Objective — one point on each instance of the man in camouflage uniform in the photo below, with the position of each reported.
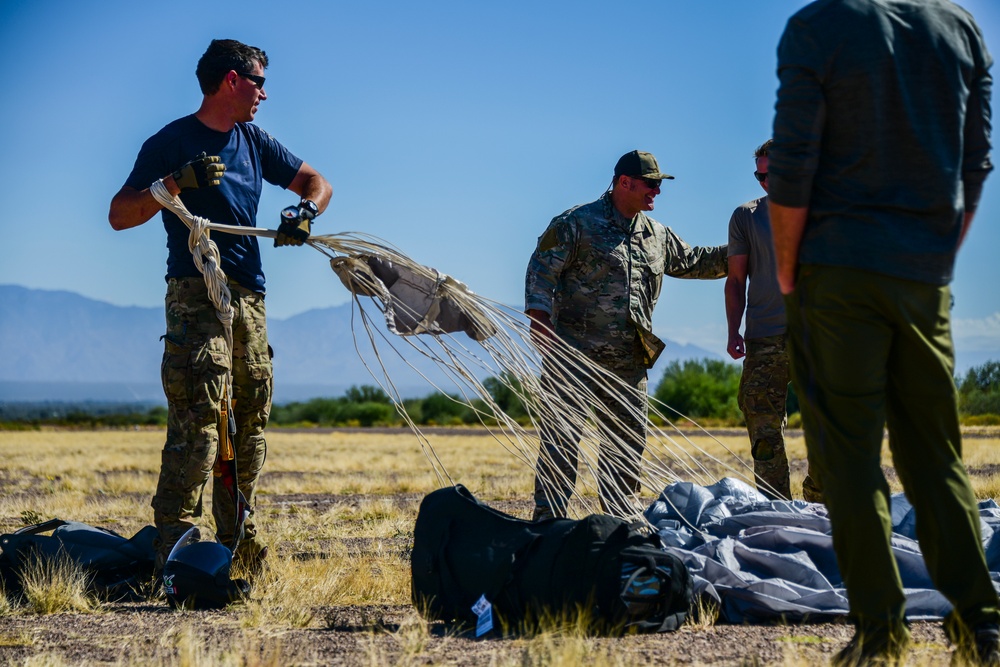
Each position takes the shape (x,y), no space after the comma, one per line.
(764,384)
(593,282)
(216,161)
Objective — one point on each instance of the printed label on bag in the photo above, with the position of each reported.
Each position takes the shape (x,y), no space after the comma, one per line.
(484,613)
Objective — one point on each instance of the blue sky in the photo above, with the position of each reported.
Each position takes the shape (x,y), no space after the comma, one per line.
(454,130)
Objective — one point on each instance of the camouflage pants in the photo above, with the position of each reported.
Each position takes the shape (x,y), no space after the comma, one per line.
(762,395)
(619,452)
(194,367)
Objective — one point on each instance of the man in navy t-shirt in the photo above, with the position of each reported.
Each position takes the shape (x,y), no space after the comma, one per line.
(216,160)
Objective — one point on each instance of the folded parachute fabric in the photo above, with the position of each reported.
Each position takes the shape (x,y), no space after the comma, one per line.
(763,561)
(415,302)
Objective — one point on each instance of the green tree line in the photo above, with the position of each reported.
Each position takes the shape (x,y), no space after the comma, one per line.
(703,390)
(706,389)
(979,394)
(370,406)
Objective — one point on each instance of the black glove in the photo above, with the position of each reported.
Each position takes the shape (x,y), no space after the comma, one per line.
(296,222)
(202,172)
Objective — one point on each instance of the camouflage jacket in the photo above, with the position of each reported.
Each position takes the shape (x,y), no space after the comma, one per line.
(599,275)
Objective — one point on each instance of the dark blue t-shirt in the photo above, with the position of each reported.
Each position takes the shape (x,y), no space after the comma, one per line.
(251,156)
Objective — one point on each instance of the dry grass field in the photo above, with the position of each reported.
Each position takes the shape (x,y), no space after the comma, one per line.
(338,509)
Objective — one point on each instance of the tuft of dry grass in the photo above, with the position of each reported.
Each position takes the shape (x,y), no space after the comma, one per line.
(704,614)
(54,585)
(291,590)
(562,643)
(986,487)
(411,645)
(559,650)
(6,607)
(20,638)
(184,646)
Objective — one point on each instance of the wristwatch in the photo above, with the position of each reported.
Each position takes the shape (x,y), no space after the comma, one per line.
(311,205)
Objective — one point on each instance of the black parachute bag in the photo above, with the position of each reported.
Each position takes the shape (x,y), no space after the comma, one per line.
(612,575)
(119,569)
(463,550)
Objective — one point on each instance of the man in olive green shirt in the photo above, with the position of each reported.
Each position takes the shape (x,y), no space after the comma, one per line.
(881,147)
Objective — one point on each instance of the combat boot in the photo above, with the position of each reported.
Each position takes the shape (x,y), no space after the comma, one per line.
(875,646)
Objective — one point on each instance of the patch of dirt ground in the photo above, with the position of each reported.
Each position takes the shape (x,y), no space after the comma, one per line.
(132,633)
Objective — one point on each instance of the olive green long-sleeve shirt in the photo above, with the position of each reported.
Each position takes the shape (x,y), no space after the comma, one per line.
(882,130)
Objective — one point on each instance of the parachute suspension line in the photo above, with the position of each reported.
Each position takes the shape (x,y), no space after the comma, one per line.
(460,375)
(389,387)
(573,396)
(509,357)
(207,259)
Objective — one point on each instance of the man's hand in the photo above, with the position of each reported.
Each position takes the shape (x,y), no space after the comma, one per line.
(296,224)
(737,347)
(204,171)
(736,303)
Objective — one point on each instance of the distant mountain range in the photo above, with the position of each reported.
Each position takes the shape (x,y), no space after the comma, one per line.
(61,346)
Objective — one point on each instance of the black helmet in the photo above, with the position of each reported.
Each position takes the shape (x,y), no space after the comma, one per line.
(196,575)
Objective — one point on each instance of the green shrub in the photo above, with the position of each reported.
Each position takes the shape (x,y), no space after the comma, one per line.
(981,420)
(366,394)
(369,413)
(441,409)
(701,388)
(506,392)
(979,390)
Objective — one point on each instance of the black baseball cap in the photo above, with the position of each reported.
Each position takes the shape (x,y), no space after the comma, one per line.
(638,164)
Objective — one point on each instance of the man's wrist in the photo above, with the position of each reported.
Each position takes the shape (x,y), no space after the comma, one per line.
(171,185)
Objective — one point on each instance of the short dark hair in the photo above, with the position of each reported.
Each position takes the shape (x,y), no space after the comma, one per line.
(763,149)
(223,56)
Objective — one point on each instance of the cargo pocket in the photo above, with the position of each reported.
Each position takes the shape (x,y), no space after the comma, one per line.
(256,351)
(762,450)
(656,267)
(259,366)
(210,362)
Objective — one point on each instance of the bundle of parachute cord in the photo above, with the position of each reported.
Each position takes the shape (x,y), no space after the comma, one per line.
(477,343)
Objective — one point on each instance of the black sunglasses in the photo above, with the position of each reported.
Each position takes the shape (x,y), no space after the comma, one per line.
(651,183)
(761,177)
(257,80)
